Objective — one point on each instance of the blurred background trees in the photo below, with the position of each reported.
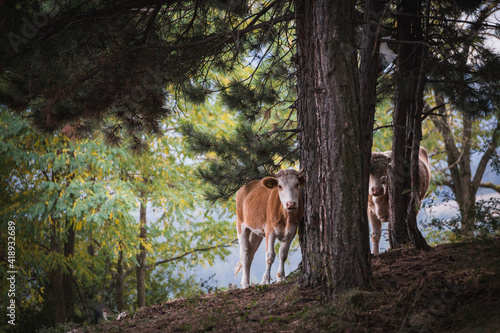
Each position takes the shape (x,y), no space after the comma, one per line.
(97,224)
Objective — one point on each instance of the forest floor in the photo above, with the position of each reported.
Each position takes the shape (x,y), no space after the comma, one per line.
(452,288)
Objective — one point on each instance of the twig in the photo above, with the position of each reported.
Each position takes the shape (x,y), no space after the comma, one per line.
(430,112)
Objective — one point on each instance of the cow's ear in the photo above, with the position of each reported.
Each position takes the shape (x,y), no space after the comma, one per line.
(270,182)
(302,181)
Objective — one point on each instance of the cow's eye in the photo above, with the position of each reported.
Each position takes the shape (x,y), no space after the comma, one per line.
(280,187)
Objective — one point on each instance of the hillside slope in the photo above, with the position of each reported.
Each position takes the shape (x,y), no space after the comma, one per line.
(453,288)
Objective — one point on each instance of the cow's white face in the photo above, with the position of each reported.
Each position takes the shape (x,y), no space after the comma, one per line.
(378,174)
(378,184)
(288,184)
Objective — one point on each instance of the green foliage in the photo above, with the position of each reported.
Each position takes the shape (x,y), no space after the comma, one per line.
(87,61)
(382,135)
(263,124)
(53,185)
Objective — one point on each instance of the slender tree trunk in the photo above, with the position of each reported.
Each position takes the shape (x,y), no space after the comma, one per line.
(69,252)
(407,130)
(56,278)
(415,137)
(459,164)
(120,285)
(141,257)
(468,195)
(368,74)
(336,253)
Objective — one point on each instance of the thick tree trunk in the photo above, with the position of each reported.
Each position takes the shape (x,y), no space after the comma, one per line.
(407,130)
(336,253)
(467,207)
(141,257)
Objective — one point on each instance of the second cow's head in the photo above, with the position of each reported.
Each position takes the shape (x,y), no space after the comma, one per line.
(288,183)
(378,173)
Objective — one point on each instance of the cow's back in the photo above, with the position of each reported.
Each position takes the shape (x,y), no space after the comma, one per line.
(251,203)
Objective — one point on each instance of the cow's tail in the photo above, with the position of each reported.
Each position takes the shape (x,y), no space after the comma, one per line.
(237,268)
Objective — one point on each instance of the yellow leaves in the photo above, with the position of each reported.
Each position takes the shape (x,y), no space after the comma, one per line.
(79,225)
(148,247)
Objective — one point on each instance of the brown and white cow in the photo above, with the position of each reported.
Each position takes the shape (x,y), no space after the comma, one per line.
(270,208)
(378,198)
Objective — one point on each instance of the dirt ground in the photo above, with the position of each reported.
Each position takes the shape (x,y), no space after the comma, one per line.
(453,288)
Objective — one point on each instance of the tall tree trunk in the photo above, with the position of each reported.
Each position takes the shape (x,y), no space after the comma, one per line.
(56,278)
(69,251)
(368,74)
(336,252)
(120,285)
(141,257)
(414,138)
(407,129)
(468,195)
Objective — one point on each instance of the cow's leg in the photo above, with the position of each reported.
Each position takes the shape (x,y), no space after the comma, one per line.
(270,255)
(284,248)
(244,240)
(376,232)
(254,243)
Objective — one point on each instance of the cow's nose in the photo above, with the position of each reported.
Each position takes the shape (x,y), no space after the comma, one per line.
(377,191)
(291,205)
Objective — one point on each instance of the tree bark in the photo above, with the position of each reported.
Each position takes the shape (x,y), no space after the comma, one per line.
(415,137)
(120,283)
(336,253)
(407,130)
(368,75)
(56,278)
(69,252)
(141,257)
